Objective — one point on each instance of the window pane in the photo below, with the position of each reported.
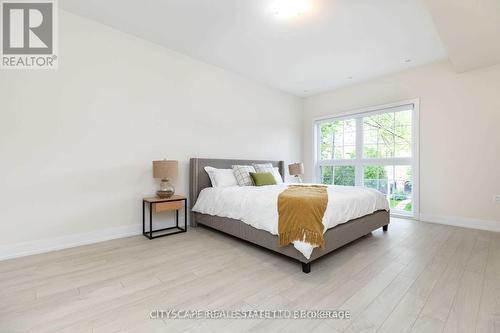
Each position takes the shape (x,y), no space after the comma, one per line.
(344,175)
(375,177)
(326,173)
(339,152)
(402,140)
(385,144)
(403,118)
(338,175)
(349,152)
(377,138)
(370,151)
(387,135)
(394,181)
(350,125)
(402,149)
(338,139)
(350,139)
(401,188)
(326,141)
(370,136)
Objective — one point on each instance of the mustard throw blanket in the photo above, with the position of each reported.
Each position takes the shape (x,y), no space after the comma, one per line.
(301,210)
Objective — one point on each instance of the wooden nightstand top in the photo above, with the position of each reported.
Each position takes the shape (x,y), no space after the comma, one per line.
(175,197)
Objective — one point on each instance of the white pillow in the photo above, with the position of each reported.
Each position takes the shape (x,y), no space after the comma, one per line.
(277,175)
(268,167)
(221,177)
(242,174)
(211,175)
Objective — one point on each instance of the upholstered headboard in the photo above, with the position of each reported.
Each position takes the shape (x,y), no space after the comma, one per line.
(198,177)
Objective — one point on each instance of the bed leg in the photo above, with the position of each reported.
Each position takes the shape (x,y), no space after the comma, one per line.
(385,227)
(306,267)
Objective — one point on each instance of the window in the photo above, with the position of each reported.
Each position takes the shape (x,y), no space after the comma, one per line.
(375,149)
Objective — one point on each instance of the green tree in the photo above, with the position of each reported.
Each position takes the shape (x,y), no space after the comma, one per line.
(344,175)
(339,175)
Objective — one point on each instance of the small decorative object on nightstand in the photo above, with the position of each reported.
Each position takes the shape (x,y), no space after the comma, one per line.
(158,205)
(165,170)
(296,169)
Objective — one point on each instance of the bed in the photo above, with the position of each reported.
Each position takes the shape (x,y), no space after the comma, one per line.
(335,237)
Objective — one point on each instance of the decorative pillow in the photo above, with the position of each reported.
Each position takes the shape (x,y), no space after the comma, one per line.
(268,167)
(221,177)
(263,178)
(242,174)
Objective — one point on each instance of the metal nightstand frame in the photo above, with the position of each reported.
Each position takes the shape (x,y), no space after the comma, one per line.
(149,234)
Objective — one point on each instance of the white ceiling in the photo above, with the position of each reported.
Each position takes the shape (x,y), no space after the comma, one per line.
(470,30)
(335,43)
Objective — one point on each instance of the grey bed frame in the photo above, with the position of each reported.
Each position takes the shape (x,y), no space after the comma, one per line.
(334,237)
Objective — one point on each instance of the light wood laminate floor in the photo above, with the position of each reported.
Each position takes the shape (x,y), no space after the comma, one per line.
(417,277)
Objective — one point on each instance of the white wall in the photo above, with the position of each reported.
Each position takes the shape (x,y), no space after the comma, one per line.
(459,136)
(76,144)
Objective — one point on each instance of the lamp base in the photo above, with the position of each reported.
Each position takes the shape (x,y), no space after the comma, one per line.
(164,194)
(166,189)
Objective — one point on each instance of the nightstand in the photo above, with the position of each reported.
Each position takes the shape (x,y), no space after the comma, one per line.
(158,205)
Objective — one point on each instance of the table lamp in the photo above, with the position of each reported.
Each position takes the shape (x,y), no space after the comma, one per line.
(165,170)
(296,169)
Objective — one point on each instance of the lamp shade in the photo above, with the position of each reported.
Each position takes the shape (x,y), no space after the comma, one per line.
(296,169)
(165,169)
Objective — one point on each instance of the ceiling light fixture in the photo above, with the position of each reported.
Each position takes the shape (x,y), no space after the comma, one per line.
(289,8)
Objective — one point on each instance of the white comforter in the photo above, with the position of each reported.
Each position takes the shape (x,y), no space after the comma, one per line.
(258,206)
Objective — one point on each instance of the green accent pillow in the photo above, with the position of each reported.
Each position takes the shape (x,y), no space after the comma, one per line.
(263,178)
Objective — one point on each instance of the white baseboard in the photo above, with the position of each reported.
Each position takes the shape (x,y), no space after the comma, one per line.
(463,222)
(47,245)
